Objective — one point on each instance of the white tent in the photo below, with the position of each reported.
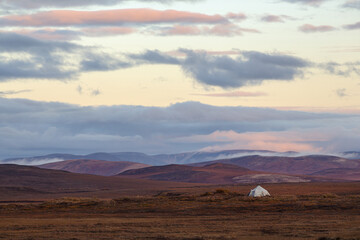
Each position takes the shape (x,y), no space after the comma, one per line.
(258,192)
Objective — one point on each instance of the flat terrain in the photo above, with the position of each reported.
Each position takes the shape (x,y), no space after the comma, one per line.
(294,211)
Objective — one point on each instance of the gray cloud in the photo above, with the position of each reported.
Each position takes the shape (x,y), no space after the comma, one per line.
(352,4)
(249,68)
(36,59)
(352,26)
(33,58)
(307,2)
(95,61)
(341,92)
(95,92)
(23,57)
(31,127)
(154,57)
(344,69)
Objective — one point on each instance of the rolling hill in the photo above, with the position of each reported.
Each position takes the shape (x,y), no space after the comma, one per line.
(352,174)
(216,173)
(96,167)
(27,182)
(304,165)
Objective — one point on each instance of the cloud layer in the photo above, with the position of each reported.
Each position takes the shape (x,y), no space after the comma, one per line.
(23,57)
(107,17)
(30,128)
(308,28)
(249,68)
(307,2)
(24,4)
(352,4)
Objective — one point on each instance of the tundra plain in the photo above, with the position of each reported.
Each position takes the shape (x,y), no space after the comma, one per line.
(294,211)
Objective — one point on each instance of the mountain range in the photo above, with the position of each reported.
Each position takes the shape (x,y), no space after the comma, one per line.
(157,160)
(224,167)
(303,165)
(96,167)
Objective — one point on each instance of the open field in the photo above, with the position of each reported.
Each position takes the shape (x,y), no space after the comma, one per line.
(295,211)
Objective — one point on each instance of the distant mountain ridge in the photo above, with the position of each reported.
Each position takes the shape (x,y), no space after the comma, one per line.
(304,165)
(159,159)
(96,167)
(267,163)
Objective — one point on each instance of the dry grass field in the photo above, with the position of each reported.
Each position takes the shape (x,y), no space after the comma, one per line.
(295,211)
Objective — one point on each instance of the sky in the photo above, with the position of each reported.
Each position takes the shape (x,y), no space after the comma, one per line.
(168,76)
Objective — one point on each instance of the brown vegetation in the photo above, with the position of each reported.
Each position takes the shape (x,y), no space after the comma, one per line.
(216,173)
(201,213)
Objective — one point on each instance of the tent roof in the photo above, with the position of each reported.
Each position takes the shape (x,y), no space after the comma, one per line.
(259,192)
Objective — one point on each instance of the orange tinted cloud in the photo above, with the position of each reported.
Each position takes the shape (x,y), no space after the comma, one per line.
(217,30)
(236,16)
(275,141)
(272,18)
(308,28)
(108,31)
(108,17)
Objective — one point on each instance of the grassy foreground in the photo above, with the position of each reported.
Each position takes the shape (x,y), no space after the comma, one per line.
(216,214)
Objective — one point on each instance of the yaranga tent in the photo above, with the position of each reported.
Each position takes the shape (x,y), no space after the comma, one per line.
(258,192)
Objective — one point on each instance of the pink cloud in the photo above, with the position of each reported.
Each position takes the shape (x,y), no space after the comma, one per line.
(234,94)
(272,18)
(108,17)
(275,141)
(183,30)
(107,31)
(314,3)
(236,16)
(217,30)
(308,28)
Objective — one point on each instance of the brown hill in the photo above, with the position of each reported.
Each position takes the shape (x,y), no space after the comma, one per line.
(352,174)
(216,173)
(26,182)
(96,167)
(288,165)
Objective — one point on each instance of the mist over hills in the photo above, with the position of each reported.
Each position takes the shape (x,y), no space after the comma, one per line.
(95,167)
(227,166)
(303,165)
(156,160)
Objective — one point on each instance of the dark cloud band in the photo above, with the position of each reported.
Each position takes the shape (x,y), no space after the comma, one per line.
(32,127)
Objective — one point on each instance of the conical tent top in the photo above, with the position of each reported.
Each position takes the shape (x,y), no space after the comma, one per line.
(258,192)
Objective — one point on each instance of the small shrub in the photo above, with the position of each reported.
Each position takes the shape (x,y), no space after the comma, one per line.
(207,194)
(222,191)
